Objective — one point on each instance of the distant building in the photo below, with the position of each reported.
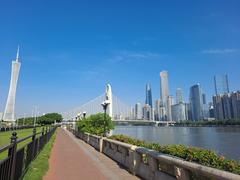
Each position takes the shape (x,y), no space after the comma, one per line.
(147,112)
(179,96)
(148,95)
(138,111)
(218,107)
(196,102)
(170,102)
(227,106)
(235,97)
(221,84)
(205,107)
(132,116)
(211,110)
(164,90)
(159,111)
(179,112)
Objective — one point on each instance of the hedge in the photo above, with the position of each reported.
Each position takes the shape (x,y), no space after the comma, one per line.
(193,154)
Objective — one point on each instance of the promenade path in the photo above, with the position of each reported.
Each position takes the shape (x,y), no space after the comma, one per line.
(73,159)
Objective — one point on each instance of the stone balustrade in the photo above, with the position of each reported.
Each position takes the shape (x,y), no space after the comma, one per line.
(150,164)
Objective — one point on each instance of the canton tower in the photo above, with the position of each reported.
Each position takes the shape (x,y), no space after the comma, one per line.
(10,105)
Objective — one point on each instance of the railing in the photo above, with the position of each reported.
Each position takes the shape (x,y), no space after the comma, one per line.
(17,161)
(150,164)
(3,129)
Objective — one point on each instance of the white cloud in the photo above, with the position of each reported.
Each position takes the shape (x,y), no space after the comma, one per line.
(127,56)
(220,51)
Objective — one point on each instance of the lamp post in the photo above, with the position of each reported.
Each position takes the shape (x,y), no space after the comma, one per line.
(84,114)
(105,105)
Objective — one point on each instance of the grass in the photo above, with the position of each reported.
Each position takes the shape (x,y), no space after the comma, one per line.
(5,138)
(39,166)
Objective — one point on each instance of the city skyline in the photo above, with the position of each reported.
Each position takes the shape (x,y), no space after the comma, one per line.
(69,57)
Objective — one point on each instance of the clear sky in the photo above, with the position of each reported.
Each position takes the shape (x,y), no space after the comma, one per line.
(70,49)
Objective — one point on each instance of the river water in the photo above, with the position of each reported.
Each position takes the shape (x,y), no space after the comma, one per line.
(223,140)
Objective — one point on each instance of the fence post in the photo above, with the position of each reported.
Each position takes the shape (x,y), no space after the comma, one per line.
(12,155)
(42,131)
(33,141)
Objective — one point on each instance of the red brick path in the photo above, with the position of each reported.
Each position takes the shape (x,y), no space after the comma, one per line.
(69,162)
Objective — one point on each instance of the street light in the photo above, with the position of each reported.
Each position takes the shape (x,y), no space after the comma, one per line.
(84,114)
(105,105)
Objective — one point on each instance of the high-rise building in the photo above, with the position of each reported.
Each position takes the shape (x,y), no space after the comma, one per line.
(179,96)
(170,102)
(148,95)
(164,94)
(147,112)
(138,111)
(196,103)
(227,106)
(205,107)
(179,112)
(9,113)
(221,84)
(235,97)
(218,107)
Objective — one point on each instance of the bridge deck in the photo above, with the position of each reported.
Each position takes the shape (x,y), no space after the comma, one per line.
(73,159)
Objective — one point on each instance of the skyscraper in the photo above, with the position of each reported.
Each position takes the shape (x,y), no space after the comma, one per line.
(148,95)
(179,112)
(10,105)
(221,84)
(138,111)
(179,96)
(196,102)
(164,92)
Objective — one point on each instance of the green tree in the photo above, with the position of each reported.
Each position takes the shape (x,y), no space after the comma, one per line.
(96,124)
(50,118)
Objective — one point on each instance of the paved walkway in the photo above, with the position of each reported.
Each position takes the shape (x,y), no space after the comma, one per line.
(73,159)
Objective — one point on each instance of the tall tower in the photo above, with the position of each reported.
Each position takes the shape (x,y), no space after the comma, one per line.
(10,105)
(221,84)
(196,102)
(164,93)
(148,95)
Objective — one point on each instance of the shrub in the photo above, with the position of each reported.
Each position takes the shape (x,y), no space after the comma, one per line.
(194,154)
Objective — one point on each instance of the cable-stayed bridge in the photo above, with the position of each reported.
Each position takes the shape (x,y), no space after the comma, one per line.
(117,109)
(120,112)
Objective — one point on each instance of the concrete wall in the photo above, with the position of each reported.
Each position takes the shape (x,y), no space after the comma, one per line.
(150,164)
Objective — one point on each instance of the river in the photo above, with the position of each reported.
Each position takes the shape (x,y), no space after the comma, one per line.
(223,140)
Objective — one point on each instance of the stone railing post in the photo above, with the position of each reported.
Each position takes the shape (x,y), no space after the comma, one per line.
(181,174)
(101,144)
(153,166)
(135,160)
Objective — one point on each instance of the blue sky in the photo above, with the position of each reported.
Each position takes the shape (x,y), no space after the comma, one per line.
(70,49)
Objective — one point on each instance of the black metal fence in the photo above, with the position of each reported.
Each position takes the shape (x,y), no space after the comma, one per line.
(17,161)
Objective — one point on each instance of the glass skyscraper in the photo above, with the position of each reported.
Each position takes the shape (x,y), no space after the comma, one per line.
(148,95)
(196,102)
(221,84)
(179,96)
